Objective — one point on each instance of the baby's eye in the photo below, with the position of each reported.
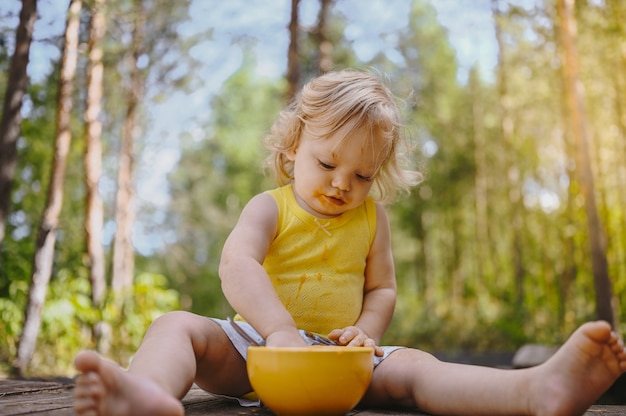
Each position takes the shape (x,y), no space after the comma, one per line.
(325,165)
(364,178)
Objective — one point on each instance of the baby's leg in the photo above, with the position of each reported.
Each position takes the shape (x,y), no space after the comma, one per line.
(567,384)
(176,347)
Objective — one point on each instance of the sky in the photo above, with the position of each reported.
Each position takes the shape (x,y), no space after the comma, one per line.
(371,29)
(468,23)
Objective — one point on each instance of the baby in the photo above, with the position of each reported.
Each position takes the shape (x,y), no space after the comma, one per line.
(313,257)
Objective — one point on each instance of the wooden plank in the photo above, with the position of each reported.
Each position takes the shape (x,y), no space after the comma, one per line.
(22,397)
(28,398)
(8,387)
(198,402)
(606,410)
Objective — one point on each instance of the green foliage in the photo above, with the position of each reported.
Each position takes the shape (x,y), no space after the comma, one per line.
(69,313)
(151,298)
(445,327)
(441,257)
(459,286)
(11,318)
(30,183)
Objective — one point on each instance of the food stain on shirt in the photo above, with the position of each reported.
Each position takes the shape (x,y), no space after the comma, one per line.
(302,281)
(324,258)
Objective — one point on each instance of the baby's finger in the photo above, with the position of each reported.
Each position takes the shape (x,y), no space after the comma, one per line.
(356,341)
(371,343)
(348,337)
(335,334)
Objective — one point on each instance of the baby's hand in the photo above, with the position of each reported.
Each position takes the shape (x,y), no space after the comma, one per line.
(285,338)
(354,337)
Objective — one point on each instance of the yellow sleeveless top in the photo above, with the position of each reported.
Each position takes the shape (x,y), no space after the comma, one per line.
(317,266)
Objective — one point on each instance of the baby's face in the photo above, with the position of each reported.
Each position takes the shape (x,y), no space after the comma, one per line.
(329,178)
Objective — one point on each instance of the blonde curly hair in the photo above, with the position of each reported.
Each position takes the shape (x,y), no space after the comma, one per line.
(347,100)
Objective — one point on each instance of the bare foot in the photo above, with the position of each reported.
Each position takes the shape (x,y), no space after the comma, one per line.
(580,371)
(103,388)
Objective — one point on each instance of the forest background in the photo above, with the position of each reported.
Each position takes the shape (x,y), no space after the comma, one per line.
(137,140)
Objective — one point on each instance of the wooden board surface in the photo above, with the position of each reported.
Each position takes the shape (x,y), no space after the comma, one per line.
(32,397)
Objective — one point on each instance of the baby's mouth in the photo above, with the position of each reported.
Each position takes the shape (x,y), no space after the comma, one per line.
(335,200)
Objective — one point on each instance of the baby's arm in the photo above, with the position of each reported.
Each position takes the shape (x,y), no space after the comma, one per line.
(379,297)
(245,283)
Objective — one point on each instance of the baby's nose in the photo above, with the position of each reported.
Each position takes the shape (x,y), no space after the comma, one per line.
(341,182)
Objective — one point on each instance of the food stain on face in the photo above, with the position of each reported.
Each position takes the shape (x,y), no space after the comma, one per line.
(319,195)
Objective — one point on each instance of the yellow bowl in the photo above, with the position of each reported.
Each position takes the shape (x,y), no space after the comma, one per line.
(315,381)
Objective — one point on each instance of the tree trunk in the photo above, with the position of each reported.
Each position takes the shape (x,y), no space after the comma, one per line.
(44,250)
(93,171)
(123,252)
(483,258)
(513,174)
(10,125)
(574,96)
(324,45)
(293,67)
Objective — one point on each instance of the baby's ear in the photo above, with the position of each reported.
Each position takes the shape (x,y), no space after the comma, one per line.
(291,154)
